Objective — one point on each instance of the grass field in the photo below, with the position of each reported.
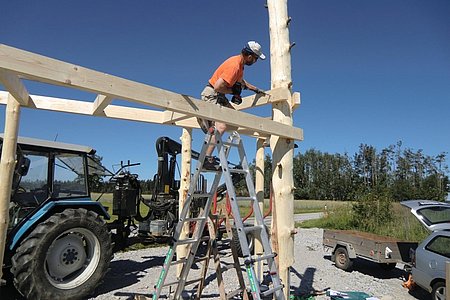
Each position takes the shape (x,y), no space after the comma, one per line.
(300,206)
(404,225)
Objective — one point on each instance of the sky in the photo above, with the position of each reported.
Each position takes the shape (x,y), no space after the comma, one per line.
(373,72)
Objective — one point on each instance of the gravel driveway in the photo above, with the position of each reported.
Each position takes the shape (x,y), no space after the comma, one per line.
(136,272)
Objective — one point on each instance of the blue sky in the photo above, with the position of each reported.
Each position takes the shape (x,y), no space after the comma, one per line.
(372,72)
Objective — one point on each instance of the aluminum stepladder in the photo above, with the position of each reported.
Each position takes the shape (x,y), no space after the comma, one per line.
(268,257)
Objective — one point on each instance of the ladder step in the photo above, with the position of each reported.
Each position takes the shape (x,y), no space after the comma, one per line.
(191,240)
(253,228)
(194,219)
(201,195)
(245,198)
(234,293)
(272,291)
(230,144)
(186,283)
(186,241)
(183,260)
(252,260)
(238,171)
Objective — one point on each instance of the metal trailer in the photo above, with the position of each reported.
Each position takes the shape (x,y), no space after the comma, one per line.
(346,245)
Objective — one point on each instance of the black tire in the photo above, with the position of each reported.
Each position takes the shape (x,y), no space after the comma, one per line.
(342,260)
(387,266)
(64,257)
(237,245)
(438,292)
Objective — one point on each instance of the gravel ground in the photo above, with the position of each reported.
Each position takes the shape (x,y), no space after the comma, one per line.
(135,273)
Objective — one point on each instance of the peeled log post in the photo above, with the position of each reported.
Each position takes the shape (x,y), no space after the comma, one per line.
(185,181)
(7,164)
(282,149)
(259,189)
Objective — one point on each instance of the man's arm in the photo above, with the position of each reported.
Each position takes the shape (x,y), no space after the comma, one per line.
(221,86)
(251,87)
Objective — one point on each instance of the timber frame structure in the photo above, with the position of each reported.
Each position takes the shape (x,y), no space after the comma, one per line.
(165,107)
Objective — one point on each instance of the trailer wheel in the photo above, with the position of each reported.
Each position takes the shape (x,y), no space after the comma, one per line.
(438,291)
(342,260)
(64,257)
(387,266)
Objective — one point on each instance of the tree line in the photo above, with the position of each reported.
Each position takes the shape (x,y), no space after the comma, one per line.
(400,173)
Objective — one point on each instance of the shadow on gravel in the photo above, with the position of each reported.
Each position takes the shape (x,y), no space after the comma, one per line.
(124,273)
(306,283)
(371,268)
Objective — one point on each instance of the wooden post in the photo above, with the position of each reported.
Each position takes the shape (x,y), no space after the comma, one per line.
(185,181)
(7,164)
(447,280)
(282,148)
(259,189)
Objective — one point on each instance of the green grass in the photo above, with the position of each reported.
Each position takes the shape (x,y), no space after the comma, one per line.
(404,226)
(338,215)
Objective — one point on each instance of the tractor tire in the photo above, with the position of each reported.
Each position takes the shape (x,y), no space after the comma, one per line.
(64,257)
(237,244)
(342,260)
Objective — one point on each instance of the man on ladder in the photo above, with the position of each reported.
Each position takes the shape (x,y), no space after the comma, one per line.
(228,79)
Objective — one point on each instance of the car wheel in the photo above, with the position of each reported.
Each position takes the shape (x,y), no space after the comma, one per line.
(438,292)
(342,260)
(64,257)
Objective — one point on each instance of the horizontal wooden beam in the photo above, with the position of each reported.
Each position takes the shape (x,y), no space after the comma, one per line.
(275,95)
(44,69)
(85,108)
(15,86)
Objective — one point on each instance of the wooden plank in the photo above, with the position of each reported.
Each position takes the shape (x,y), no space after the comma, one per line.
(86,108)
(100,103)
(44,69)
(15,86)
(272,96)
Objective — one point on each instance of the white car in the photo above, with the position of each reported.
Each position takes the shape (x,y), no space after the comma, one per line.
(432,254)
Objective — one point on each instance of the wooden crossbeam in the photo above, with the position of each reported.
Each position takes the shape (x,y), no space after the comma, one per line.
(15,86)
(44,69)
(100,103)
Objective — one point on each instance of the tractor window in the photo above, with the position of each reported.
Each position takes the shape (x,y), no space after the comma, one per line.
(70,176)
(33,188)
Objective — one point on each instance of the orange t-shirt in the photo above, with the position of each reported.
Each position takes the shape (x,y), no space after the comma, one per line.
(231,70)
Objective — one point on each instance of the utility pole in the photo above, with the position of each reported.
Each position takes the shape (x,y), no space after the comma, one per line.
(282,148)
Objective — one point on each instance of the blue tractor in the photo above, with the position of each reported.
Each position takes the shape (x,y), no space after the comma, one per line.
(58,245)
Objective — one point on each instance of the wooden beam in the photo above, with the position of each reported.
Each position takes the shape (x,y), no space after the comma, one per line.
(86,108)
(44,69)
(15,86)
(100,103)
(272,96)
(173,117)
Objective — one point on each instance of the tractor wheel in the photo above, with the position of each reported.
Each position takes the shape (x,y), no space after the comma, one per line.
(64,257)
(237,244)
(342,260)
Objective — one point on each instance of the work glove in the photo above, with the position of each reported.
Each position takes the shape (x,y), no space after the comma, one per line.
(236,89)
(236,99)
